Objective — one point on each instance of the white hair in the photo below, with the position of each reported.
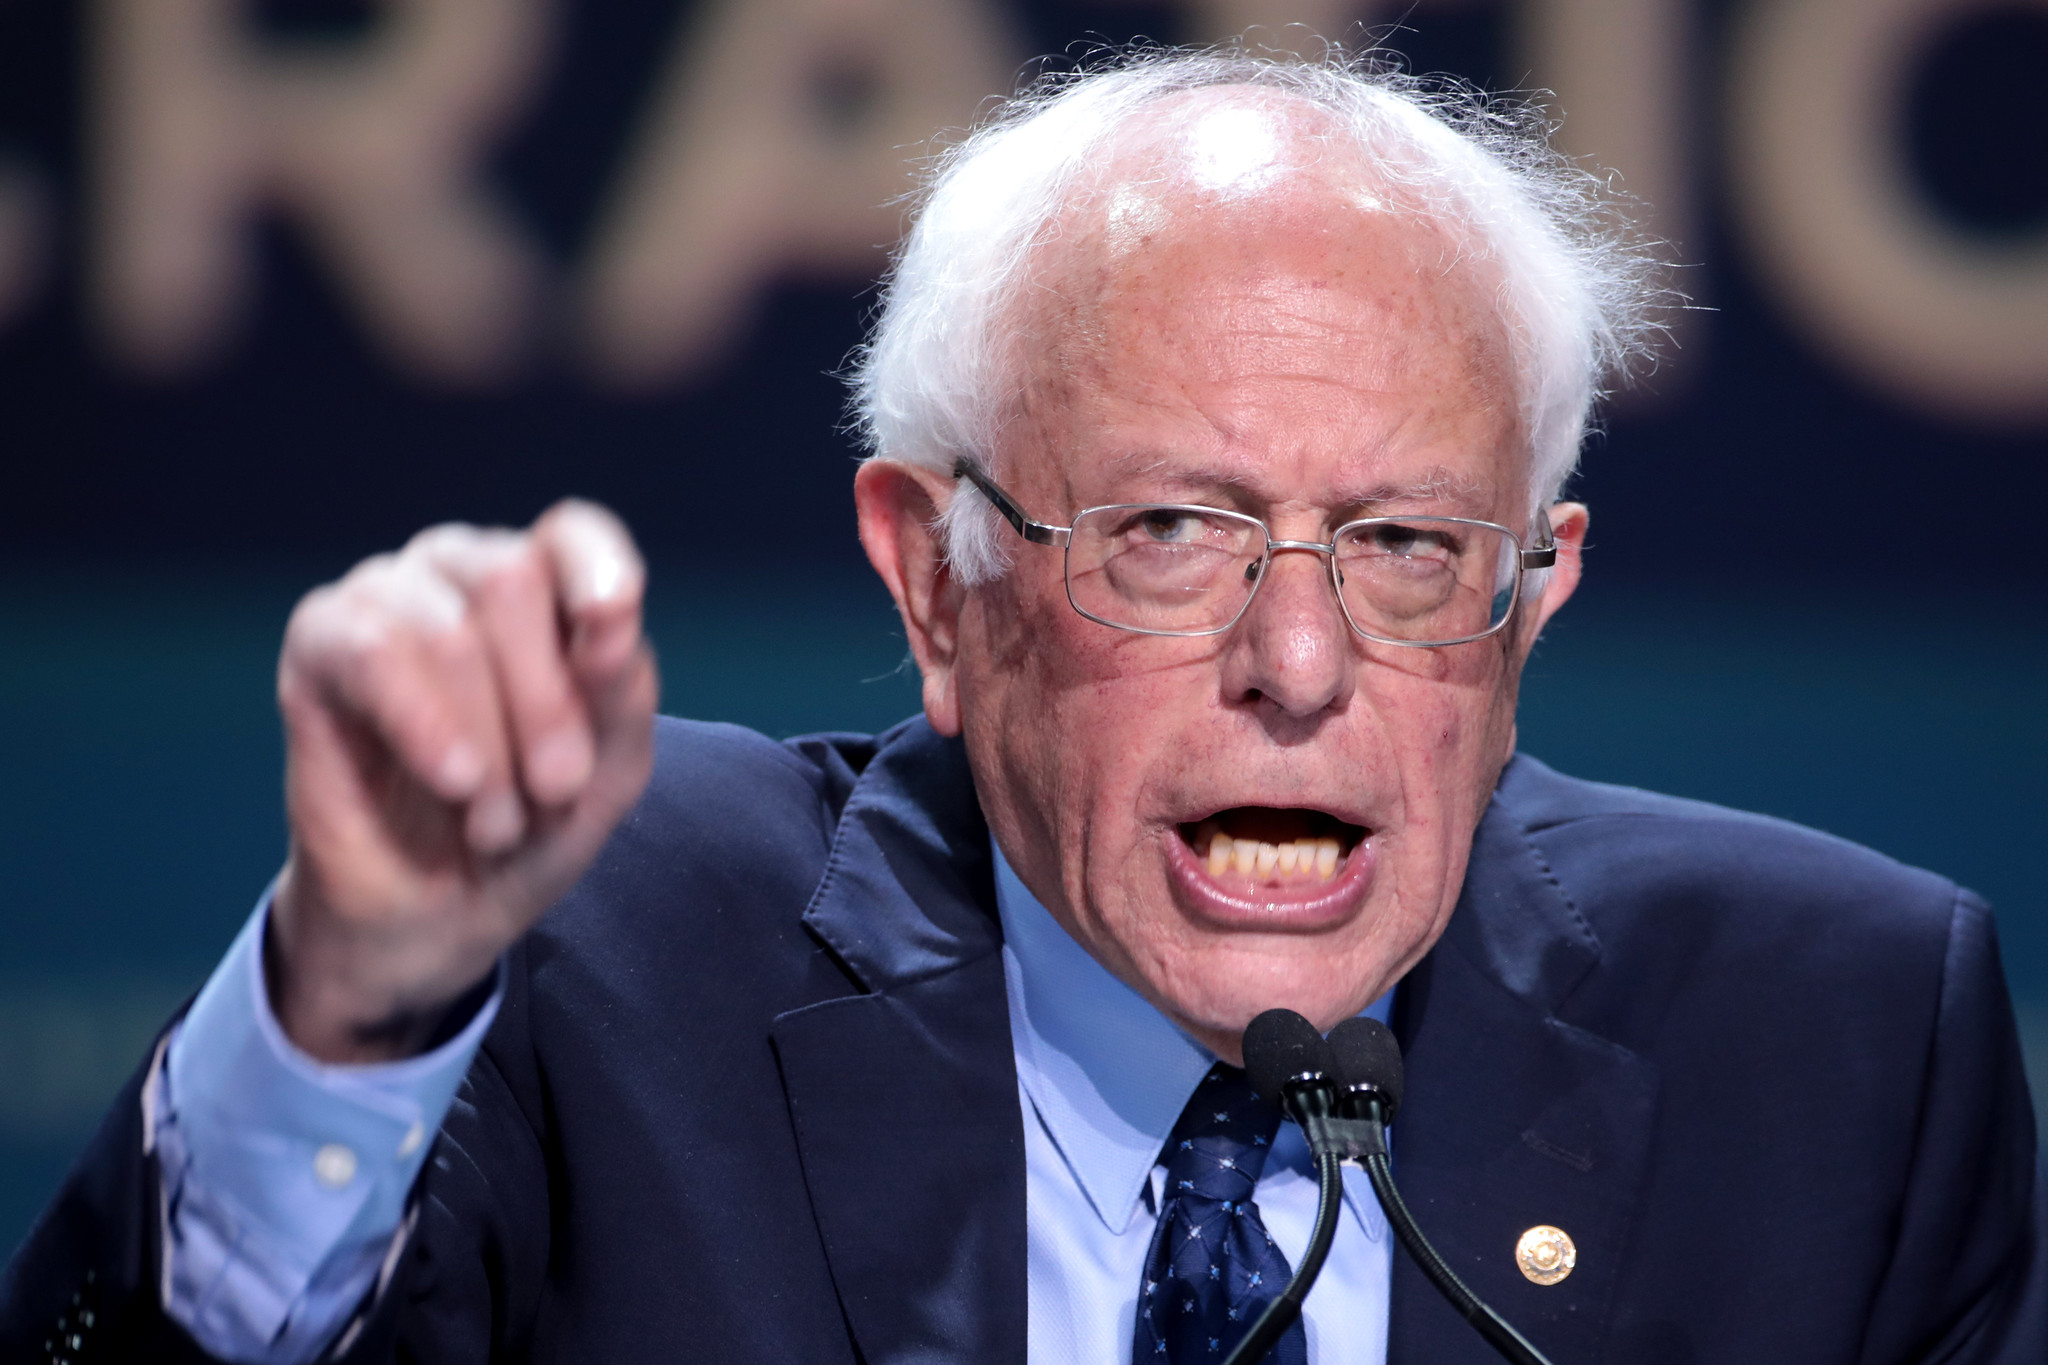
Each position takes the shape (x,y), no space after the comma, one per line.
(1577,292)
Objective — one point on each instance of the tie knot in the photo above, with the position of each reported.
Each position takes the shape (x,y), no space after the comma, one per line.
(1220,1145)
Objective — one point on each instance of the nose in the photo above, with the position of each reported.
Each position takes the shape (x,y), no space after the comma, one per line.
(1292,650)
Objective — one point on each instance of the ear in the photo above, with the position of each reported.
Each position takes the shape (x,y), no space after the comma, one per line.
(899,505)
(1568,528)
(1561,580)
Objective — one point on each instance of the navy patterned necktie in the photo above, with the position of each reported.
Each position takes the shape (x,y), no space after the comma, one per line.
(1213,1268)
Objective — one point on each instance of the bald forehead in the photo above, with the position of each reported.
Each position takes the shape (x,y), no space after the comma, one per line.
(1254,200)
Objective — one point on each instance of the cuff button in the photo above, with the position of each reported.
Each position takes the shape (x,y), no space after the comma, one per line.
(334,1165)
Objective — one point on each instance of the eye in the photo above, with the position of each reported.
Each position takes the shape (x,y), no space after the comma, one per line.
(1164,530)
(1408,542)
(1172,525)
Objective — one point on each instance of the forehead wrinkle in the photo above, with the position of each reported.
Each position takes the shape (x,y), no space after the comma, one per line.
(1280,322)
(1177,473)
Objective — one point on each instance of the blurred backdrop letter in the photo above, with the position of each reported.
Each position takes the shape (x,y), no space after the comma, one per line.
(781,142)
(373,144)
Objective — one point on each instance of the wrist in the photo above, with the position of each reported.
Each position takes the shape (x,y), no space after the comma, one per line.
(350,996)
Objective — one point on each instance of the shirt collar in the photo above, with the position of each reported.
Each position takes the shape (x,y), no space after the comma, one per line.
(1107,1073)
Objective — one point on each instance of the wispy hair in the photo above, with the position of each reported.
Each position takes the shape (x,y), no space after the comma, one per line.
(1578,290)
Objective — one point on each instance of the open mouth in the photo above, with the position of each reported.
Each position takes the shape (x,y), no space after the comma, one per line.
(1263,850)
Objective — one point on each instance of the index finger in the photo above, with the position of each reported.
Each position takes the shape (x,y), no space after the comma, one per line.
(601,579)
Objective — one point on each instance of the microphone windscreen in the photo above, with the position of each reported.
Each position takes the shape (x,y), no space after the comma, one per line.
(1363,1052)
(1279,1045)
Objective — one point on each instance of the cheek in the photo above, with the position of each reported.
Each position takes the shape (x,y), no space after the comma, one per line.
(1063,717)
(1450,725)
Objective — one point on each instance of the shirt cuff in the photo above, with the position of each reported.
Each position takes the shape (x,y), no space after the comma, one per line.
(286,1178)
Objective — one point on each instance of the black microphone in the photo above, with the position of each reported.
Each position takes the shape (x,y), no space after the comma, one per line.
(1288,1063)
(1364,1061)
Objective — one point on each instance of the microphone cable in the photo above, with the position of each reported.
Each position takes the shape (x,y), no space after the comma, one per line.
(1343,1091)
(1287,1061)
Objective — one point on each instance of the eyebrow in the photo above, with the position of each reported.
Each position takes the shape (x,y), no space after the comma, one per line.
(1438,485)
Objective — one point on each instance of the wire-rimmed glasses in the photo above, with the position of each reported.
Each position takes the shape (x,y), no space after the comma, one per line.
(1185,569)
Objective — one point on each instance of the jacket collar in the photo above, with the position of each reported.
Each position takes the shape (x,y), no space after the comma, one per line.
(1513,922)
(909,887)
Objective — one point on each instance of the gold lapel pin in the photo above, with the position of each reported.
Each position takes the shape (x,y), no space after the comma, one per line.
(1546,1254)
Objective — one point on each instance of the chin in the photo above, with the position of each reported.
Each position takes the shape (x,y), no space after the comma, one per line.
(1224,981)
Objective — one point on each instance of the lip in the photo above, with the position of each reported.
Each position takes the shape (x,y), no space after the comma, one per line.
(1306,909)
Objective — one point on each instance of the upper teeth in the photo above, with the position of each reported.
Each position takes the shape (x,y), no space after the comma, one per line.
(1255,857)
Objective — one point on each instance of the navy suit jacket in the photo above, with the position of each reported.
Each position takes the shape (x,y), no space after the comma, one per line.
(751,1098)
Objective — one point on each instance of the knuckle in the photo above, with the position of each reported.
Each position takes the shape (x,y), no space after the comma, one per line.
(464,554)
(311,618)
(296,693)
(373,669)
(376,569)
(412,597)
(576,510)
(334,629)
(443,538)
(513,573)
(454,650)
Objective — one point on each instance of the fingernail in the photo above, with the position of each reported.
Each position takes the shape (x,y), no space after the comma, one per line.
(559,764)
(462,767)
(604,578)
(496,821)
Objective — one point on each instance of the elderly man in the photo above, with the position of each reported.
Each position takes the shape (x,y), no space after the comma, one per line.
(1219,411)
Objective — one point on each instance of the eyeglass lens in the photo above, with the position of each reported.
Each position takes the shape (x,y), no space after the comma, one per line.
(1191,570)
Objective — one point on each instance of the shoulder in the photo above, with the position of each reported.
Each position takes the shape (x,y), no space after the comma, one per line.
(1688,896)
(714,865)
(1847,1004)
(1622,845)
(713,780)
(729,811)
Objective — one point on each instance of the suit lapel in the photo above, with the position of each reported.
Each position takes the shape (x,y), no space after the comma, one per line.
(904,1096)
(1513,1118)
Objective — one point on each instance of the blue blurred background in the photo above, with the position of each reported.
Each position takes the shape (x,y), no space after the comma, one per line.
(283,280)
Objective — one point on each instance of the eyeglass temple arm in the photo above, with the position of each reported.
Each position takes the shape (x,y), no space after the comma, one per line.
(1544,555)
(1034,531)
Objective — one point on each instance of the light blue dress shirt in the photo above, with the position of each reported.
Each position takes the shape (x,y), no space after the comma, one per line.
(285,1181)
